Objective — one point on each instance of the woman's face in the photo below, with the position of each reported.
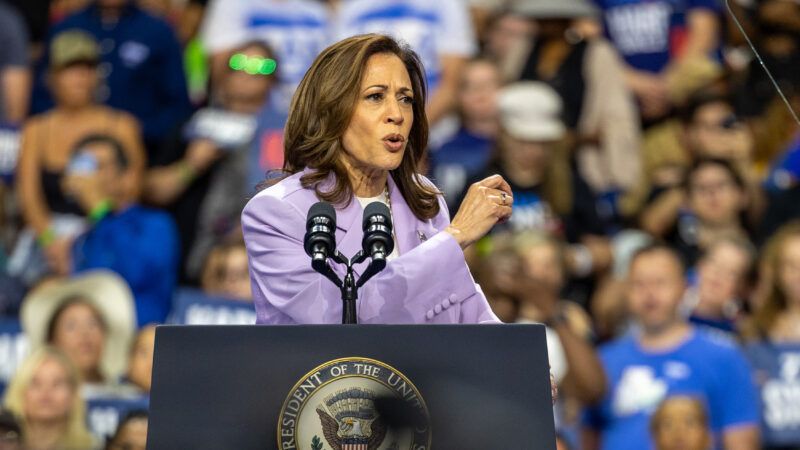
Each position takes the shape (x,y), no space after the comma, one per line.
(478,96)
(528,155)
(542,263)
(74,85)
(789,270)
(714,196)
(49,395)
(720,274)
(235,279)
(140,366)
(80,334)
(245,92)
(377,136)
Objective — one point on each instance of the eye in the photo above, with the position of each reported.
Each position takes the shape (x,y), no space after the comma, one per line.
(408,100)
(377,96)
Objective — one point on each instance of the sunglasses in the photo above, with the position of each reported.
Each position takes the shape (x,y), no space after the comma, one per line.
(252,65)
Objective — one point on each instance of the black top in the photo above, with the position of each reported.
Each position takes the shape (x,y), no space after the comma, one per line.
(533,212)
(568,80)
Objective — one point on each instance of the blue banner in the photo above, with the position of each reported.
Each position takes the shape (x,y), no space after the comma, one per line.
(194,307)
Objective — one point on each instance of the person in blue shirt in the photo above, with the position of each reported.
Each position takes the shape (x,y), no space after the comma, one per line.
(465,155)
(138,243)
(665,356)
(774,345)
(141,65)
(655,36)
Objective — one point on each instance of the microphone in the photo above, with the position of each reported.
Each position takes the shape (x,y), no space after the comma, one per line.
(377,242)
(320,240)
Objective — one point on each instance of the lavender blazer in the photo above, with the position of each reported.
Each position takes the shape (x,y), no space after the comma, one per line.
(428,283)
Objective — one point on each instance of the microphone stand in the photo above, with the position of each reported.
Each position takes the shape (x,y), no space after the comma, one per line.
(349,286)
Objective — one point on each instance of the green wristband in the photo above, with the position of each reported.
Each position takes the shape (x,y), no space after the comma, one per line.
(46,237)
(100,210)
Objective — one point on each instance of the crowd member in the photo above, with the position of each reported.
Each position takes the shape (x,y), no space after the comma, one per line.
(707,127)
(15,77)
(505,32)
(666,356)
(495,268)
(538,284)
(681,423)
(296,30)
(440,32)
(90,318)
(548,195)
(45,395)
(774,345)
(663,43)
(723,278)
(202,174)
(131,433)
(138,243)
(140,361)
(715,206)
(48,141)
(226,273)
(141,65)
(465,155)
(588,74)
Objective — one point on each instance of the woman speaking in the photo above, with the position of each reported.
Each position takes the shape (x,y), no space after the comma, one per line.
(356,134)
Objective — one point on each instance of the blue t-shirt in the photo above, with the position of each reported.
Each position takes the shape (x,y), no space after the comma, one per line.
(648,32)
(707,367)
(777,372)
(141,245)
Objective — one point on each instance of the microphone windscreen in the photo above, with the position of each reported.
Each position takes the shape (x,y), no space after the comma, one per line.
(377,209)
(324,209)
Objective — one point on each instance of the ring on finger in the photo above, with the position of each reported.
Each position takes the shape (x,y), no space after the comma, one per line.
(503,198)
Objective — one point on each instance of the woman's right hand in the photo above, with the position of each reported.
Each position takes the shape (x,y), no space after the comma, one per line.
(487,202)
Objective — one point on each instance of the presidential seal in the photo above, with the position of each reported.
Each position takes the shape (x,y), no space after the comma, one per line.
(333,408)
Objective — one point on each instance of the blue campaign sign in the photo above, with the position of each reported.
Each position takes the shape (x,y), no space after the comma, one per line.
(13,349)
(103,414)
(194,307)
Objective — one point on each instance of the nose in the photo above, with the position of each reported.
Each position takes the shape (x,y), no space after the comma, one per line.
(394,112)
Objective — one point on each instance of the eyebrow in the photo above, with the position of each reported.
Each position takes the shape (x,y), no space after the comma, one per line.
(403,89)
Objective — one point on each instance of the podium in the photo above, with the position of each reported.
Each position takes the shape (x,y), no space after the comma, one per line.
(351,387)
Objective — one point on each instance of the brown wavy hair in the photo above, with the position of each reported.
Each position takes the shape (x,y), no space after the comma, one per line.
(322,108)
(772,258)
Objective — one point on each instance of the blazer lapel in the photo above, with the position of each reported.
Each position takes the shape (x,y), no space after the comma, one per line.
(406,226)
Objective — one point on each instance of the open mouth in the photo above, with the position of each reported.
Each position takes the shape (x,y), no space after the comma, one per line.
(393,142)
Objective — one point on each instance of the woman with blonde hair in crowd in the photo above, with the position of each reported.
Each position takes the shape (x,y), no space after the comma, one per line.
(774,339)
(45,395)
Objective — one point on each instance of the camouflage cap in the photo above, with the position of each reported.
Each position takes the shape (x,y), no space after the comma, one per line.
(73,46)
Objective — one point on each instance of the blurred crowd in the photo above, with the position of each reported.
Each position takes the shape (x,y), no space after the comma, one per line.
(655,170)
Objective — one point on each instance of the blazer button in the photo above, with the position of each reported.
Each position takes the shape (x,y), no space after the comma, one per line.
(445,303)
(453,299)
(429,314)
(437,309)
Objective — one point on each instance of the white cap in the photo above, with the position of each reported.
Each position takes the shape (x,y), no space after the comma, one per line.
(531,111)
